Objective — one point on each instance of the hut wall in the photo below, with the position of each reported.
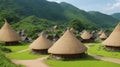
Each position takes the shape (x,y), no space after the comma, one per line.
(103,38)
(87,40)
(66,56)
(42,51)
(111,48)
(11,43)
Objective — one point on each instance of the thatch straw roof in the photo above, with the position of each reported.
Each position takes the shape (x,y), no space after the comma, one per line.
(55,27)
(114,38)
(103,35)
(100,32)
(7,34)
(86,35)
(72,29)
(41,43)
(67,44)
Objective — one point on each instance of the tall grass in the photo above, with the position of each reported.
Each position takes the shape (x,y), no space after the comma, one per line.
(5,62)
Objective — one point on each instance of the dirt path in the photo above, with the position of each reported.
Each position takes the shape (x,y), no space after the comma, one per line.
(32,63)
(114,60)
(40,62)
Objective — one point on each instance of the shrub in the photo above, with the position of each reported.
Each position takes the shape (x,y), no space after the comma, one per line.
(6,50)
(5,62)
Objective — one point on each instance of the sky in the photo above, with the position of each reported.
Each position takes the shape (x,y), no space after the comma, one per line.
(104,6)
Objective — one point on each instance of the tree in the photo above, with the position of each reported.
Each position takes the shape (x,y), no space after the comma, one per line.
(77,25)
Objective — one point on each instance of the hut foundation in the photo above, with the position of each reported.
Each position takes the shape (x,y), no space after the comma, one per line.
(66,56)
(103,38)
(42,51)
(11,43)
(87,40)
(112,48)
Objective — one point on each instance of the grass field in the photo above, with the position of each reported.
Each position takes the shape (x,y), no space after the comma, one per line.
(95,48)
(83,62)
(18,47)
(27,55)
(98,49)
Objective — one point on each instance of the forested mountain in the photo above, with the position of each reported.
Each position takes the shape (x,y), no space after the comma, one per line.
(72,12)
(116,15)
(103,19)
(34,25)
(18,10)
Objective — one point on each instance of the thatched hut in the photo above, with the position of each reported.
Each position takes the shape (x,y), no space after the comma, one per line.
(55,27)
(113,41)
(41,45)
(26,39)
(56,37)
(8,35)
(67,47)
(103,36)
(86,36)
(100,32)
(73,30)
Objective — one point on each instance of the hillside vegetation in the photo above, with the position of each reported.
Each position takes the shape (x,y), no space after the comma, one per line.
(17,10)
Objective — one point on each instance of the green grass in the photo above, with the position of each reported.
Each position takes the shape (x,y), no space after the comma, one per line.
(18,47)
(27,55)
(98,49)
(5,62)
(88,61)
(83,62)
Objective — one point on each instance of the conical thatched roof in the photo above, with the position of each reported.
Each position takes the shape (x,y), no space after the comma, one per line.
(72,29)
(86,35)
(41,43)
(103,35)
(100,32)
(7,34)
(55,27)
(67,44)
(114,38)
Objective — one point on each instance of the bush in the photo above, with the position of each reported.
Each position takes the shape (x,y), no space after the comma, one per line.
(6,50)
(5,62)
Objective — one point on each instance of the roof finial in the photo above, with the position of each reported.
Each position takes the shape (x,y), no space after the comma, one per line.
(42,33)
(68,28)
(5,20)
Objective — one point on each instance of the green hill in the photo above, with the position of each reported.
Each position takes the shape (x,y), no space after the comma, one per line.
(34,25)
(104,20)
(72,12)
(18,10)
(116,15)
(39,8)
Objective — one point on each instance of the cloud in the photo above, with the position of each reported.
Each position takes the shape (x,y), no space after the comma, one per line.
(104,6)
(116,5)
(113,8)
